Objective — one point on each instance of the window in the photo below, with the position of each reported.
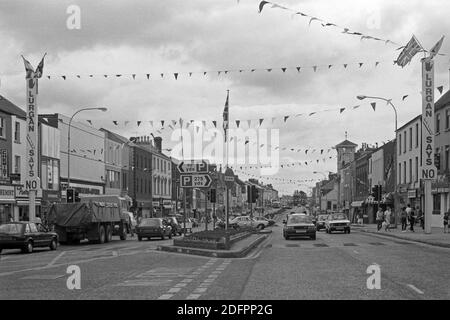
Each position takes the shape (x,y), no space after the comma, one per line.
(438,123)
(447,119)
(417,169)
(410,171)
(400,143)
(2,127)
(124,180)
(404,171)
(17,132)
(33,228)
(437,203)
(17,164)
(447,160)
(417,135)
(404,142)
(410,138)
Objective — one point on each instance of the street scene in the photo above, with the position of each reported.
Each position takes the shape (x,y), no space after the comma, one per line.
(224,150)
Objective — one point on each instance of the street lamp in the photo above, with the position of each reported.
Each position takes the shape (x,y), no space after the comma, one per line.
(68,140)
(388,101)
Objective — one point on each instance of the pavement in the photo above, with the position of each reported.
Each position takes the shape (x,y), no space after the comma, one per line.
(437,237)
(334,266)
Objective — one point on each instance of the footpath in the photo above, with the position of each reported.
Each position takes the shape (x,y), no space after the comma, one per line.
(437,237)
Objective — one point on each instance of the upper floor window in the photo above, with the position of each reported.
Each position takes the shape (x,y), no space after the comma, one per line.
(447,119)
(438,123)
(410,138)
(2,127)
(400,143)
(404,142)
(417,135)
(17,132)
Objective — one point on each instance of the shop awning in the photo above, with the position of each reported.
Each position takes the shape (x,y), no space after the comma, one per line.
(356,204)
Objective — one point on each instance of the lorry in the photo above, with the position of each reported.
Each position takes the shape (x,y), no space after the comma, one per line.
(96,218)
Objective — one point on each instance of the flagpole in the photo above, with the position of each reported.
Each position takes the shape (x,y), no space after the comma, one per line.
(184,189)
(227,212)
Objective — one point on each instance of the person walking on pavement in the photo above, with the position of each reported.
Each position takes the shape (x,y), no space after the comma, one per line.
(412,219)
(404,219)
(387,218)
(446,216)
(421,217)
(380,218)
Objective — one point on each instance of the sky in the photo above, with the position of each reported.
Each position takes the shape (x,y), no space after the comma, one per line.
(172,36)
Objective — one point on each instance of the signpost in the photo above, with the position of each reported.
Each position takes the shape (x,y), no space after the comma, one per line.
(200,166)
(229,180)
(195,180)
(429,171)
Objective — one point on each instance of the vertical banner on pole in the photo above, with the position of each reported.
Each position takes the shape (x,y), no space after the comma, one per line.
(429,171)
(30,178)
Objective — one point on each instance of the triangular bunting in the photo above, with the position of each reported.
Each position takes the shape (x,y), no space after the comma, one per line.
(373,104)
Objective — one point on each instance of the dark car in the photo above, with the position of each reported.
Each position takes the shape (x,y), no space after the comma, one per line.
(177,228)
(320,223)
(26,236)
(299,225)
(153,227)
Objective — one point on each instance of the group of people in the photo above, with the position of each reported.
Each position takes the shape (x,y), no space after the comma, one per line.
(408,214)
(384,218)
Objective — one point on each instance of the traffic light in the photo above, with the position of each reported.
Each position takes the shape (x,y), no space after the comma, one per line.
(70,196)
(249,194)
(212,196)
(208,195)
(437,161)
(374,193)
(255,194)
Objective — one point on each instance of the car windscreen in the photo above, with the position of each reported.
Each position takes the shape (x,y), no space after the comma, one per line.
(322,218)
(299,219)
(150,223)
(339,217)
(10,228)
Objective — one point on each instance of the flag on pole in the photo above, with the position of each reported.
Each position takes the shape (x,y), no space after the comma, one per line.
(435,50)
(28,68)
(40,68)
(408,52)
(226,115)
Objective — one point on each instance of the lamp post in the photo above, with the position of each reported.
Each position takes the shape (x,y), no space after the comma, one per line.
(68,140)
(388,101)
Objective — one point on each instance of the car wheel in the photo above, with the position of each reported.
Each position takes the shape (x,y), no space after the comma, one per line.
(170,236)
(139,238)
(53,244)
(28,247)
(260,227)
(313,237)
(163,237)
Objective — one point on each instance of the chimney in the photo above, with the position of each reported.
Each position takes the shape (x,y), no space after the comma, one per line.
(158,143)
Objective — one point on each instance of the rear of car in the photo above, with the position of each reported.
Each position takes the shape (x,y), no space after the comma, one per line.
(299,226)
(153,227)
(320,223)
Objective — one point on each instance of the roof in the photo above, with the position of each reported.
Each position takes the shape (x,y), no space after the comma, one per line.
(346,143)
(10,108)
(410,121)
(115,137)
(443,101)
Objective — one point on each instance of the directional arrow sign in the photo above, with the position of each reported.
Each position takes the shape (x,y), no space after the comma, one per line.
(195,180)
(199,166)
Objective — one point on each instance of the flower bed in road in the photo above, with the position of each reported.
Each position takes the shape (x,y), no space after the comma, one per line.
(215,239)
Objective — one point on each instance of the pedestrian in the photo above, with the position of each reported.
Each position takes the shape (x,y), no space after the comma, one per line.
(446,215)
(380,218)
(387,218)
(421,217)
(412,218)
(404,219)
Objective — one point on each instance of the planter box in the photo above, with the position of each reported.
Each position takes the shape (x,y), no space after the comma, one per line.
(211,241)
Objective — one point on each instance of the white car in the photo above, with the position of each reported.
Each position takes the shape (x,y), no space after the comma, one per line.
(246,221)
(337,222)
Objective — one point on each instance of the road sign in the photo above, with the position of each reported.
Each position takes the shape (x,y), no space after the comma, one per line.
(195,166)
(195,180)
(229,179)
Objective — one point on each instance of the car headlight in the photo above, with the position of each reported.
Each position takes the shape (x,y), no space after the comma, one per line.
(289,228)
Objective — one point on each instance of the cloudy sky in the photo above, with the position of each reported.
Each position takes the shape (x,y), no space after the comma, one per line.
(172,36)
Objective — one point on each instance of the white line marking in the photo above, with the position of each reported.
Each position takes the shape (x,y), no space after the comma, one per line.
(186,280)
(174,290)
(115,253)
(415,289)
(165,297)
(200,290)
(193,296)
(56,259)
(180,285)
(355,251)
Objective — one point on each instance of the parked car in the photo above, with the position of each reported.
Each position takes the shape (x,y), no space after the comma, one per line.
(299,225)
(26,236)
(177,228)
(153,227)
(246,221)
(320,224)
(337,222)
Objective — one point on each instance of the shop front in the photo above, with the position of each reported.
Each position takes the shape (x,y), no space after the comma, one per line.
(23,203)
(7,203)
